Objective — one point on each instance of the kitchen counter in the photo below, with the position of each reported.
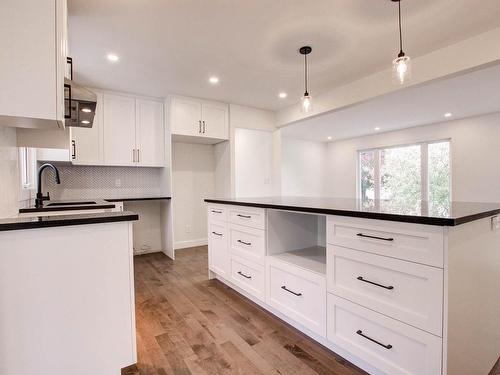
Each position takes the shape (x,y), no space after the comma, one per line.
(133,199)
(458,212)
(70,205)
(65,220)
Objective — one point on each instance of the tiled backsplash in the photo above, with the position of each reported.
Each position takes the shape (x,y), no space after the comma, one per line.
(84,182)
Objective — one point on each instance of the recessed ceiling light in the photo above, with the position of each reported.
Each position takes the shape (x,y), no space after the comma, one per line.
(86,110)
(376,128)
(282,95)
(213,80)
(85,122)
(113,57)
(329,138)
(447,114)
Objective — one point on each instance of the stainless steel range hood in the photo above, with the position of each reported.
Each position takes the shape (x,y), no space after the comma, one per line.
(80,105)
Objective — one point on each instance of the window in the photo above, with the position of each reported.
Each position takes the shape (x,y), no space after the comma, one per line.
(411,178)
(27,161)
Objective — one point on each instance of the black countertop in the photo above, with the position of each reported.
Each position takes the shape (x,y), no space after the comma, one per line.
(83,204)
(455,213)
(130,199)
(65,220)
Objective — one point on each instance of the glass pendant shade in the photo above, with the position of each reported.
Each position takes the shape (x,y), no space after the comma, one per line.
(306,103)
(401,69)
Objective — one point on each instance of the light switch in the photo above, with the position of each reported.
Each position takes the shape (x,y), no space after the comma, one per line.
(495,223)
(118,182)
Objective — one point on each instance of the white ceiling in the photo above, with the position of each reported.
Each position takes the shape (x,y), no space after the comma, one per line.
(466,95)
(173,46)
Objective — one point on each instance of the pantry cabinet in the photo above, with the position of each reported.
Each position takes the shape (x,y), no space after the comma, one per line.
(33,35)
(199,118)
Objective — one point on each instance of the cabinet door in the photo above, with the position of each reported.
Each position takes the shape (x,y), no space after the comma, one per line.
(150,136)
(218,253)
(87,143)
(185,117)
(119,130)
(215,120)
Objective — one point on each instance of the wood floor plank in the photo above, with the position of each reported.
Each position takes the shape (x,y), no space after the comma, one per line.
(187,324)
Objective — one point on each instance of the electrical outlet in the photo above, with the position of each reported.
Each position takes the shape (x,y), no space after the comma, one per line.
(118,182)
(188,228)
(495,223)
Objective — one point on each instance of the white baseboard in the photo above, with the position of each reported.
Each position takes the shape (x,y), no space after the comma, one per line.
(190,243)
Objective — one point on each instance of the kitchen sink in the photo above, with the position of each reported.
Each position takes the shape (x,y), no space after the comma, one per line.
(71,203)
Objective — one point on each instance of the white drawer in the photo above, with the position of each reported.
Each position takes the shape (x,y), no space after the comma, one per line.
(218,248)
(248,276)
(410,292)
(414,242)
(248,243)
(297,293)
(389,345)
(217,213)
(249,216)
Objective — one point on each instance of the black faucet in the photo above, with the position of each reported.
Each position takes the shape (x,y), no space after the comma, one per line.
(39,196)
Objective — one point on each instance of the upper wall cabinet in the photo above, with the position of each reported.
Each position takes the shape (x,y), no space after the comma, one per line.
(127,131)
(33,36)
(206,120)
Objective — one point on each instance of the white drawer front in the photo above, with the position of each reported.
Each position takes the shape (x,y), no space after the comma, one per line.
(248,243)
(249,216)
(248,276)
(410,292)
(297,293)
(414,242)
(401,349)
(218,248)
(217,213)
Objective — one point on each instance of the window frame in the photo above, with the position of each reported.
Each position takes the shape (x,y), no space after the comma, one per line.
(424,167)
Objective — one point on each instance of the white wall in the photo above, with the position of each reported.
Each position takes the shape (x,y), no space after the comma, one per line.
(253,163)
(475,143)
(303,166)
(9,173)
(193,180)
(242,117)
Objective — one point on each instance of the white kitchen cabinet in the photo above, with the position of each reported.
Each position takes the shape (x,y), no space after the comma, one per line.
(218,243)
(214,117)
(33,36)
(87,143)
(199,118)
(119,130)
(185,116)
(150,136)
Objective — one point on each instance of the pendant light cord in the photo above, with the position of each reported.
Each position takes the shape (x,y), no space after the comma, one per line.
(305,72)
(400,32)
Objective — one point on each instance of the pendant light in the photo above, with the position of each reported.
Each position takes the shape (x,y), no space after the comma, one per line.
(401,65)
(306,98)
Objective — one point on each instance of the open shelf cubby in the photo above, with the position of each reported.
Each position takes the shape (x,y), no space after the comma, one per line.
(298,239)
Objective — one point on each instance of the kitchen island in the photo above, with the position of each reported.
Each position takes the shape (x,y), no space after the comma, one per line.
(67,294)
(393,289)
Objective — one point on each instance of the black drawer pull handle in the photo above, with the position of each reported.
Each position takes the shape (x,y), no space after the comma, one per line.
(244,216)
(360,278)
(217,234)
(216,212)
(245,276)
(360,332)
(244,243)
(291,291)
(374,237)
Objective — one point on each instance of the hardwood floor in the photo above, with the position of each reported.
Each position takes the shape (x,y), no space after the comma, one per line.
(187,324)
